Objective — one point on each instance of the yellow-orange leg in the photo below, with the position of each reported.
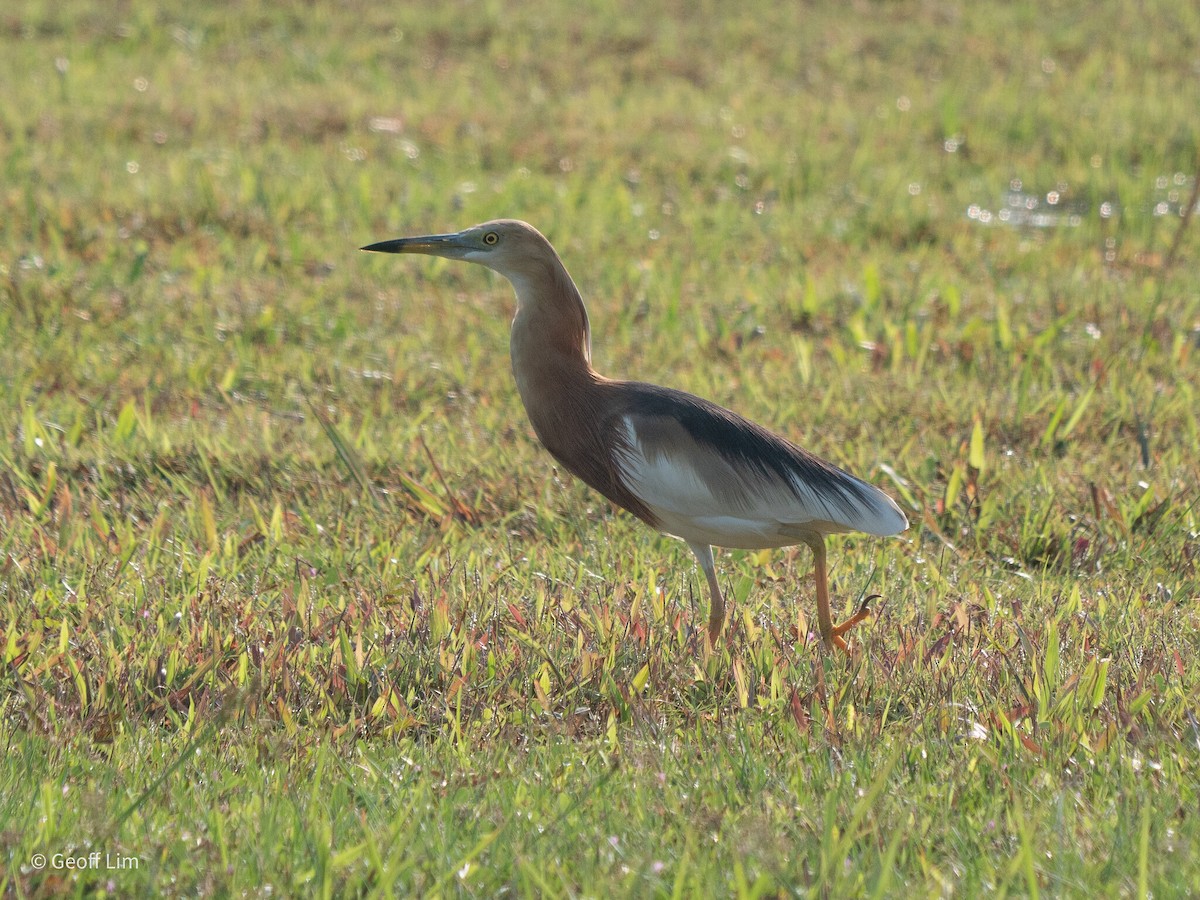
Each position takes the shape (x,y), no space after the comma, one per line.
(716,615)
(831,634)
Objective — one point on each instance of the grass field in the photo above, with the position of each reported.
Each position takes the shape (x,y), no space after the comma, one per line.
(292,601)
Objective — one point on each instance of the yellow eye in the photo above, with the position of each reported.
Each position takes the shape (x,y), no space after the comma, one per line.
(491,237)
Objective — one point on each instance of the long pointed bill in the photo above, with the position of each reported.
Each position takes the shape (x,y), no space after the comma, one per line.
(452,246)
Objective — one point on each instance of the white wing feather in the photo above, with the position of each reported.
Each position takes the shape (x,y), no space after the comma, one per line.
(747,509)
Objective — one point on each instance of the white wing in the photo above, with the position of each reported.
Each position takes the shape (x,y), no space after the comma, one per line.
(758,492)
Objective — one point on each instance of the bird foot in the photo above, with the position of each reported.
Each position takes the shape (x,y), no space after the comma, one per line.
(835,639)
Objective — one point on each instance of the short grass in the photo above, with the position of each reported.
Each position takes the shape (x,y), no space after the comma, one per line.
(293,603)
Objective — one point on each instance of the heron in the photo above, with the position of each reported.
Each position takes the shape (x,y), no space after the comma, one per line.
(683,465)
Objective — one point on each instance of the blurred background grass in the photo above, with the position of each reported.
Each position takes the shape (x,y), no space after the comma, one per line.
(936,243)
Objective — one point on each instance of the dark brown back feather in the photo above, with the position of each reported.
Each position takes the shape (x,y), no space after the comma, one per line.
(747,446)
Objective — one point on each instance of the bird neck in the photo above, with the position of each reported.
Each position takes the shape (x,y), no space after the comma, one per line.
(551,323)
(550,342)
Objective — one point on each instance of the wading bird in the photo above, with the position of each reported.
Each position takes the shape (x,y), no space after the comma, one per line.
(681,464)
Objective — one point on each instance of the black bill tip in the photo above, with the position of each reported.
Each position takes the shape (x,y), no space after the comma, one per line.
(392,246)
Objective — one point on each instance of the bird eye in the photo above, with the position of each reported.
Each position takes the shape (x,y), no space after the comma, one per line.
(491,237)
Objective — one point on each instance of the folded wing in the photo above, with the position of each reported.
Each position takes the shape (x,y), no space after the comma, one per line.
(711,476)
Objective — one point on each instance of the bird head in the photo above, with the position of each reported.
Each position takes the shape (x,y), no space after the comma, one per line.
(507,246)
(519,252)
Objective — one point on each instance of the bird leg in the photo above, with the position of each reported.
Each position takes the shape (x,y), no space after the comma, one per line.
(716,616)
(831,634)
